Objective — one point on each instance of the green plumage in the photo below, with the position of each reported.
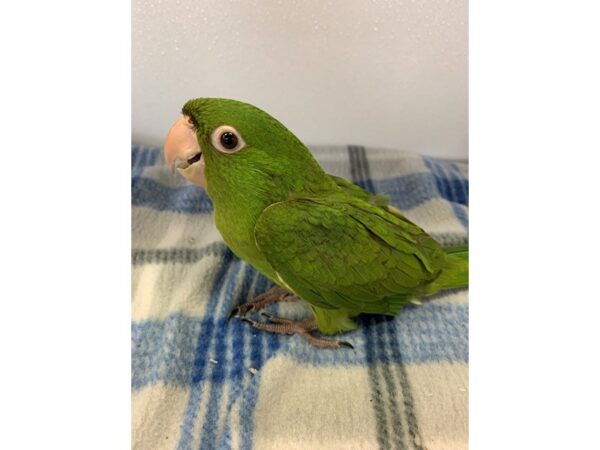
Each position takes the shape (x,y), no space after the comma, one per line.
(341,249)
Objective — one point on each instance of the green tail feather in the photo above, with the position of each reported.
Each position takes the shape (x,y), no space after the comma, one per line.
(456,273)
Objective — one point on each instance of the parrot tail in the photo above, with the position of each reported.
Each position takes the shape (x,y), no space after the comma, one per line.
(456,273)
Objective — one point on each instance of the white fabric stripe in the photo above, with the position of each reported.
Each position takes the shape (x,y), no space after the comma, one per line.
(302,407)
(163,229)
(160,290)
(156,416)
(437,218)
(440,392)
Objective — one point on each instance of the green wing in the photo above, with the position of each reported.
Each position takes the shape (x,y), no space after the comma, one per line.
(341,252)
(358,192)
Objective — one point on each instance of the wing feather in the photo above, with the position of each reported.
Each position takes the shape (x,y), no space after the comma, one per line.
(342,252)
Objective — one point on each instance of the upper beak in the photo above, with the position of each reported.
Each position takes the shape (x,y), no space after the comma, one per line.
(181,142)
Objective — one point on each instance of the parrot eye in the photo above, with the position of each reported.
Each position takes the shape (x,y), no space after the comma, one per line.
(229,140)
(226,139)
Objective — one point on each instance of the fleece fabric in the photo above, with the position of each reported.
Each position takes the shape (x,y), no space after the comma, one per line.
(201,381)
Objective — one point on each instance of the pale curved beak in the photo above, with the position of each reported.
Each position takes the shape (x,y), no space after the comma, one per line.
(182,145)
(181,142)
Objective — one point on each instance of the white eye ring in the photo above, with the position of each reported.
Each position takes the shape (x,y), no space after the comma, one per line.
(223,144)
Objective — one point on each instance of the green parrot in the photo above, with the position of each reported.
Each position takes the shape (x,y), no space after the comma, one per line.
(318,237)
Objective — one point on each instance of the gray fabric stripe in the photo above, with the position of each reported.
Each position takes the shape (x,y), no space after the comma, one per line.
(359,157)
(354,166)
(390,382)
(383,438)
(370,338)
(413,427)
(409,407)
(359,169)
(179,255)
(363,163)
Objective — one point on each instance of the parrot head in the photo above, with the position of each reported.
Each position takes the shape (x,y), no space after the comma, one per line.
(236,146)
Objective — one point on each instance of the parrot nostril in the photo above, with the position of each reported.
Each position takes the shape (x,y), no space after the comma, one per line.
(189,121)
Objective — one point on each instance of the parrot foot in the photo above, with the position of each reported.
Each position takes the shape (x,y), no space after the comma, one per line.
(273,295)
(303,328)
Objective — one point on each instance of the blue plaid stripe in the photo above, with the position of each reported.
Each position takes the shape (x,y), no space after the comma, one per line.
(186,199)
(451,185)
(163,349)
(406,192)
(142,157)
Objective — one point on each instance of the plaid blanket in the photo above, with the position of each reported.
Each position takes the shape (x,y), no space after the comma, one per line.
(200,380)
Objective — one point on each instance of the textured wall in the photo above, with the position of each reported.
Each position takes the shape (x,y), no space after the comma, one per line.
(379,73)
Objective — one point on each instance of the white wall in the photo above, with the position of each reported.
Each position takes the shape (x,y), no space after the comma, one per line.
(387,73)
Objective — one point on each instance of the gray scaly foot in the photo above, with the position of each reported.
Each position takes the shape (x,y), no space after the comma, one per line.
(303,328)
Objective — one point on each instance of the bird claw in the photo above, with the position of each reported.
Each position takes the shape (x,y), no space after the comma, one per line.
(241,311)
(273,295)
